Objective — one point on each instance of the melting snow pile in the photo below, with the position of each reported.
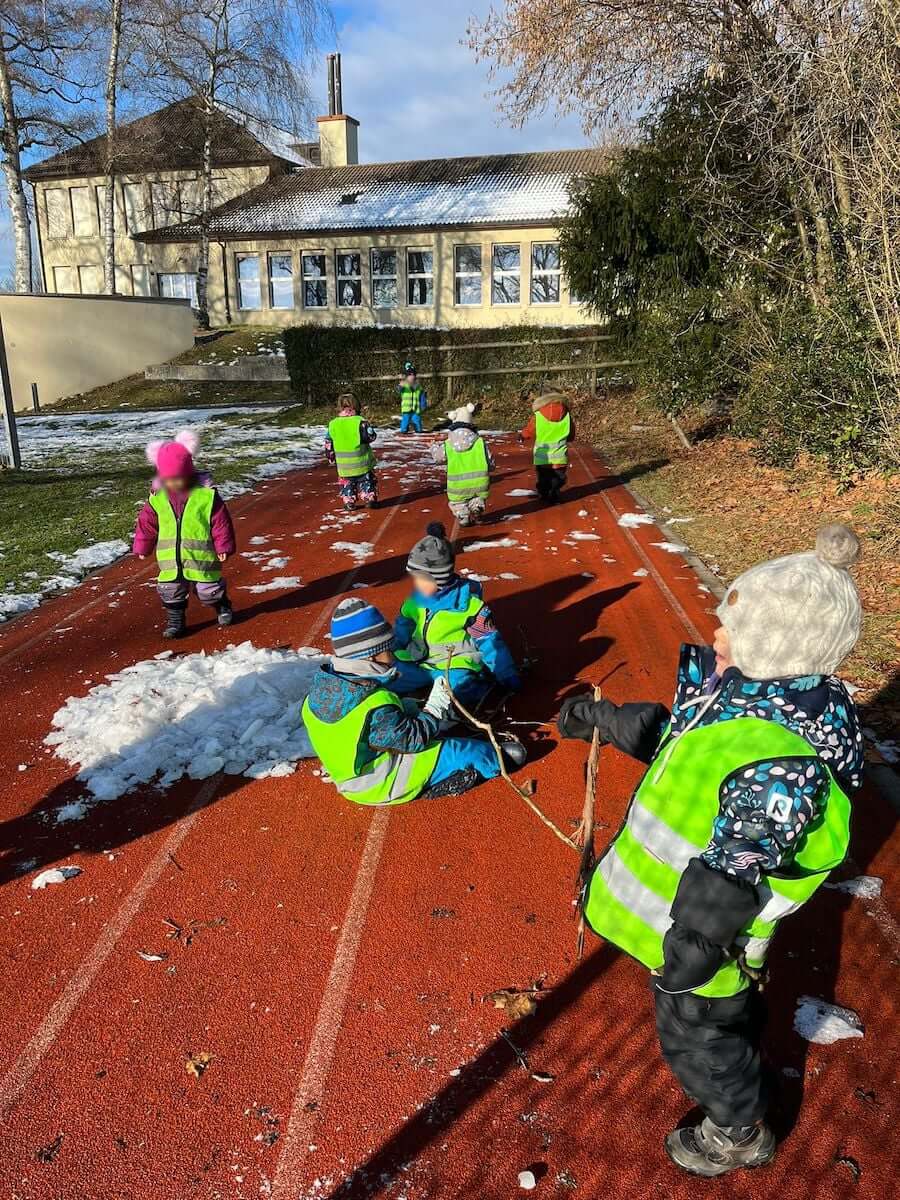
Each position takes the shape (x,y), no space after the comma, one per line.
(671,547)
(499,544)
(281,583)
(824,1023)
(359,551)
(631,520)
(236,711)
(72,567)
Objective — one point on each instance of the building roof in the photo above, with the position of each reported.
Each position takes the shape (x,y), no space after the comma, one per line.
(172,139)
(498,189)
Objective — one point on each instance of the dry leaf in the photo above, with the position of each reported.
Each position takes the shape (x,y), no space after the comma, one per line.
(148,957)
(197,1063)
(514,1002)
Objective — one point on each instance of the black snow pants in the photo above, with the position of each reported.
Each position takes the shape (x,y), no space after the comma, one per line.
(550,482)
(712,1047)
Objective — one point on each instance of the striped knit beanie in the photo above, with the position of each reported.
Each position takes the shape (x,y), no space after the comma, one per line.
(358,630)
(432,556)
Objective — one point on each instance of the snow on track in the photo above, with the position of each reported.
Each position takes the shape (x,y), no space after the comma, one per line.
(236,711)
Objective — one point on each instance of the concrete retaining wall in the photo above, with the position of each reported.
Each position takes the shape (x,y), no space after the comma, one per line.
(70,344)
(252,368)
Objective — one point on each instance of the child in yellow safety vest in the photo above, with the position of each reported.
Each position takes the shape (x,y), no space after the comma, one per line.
(413,400)
(551,428)
(469,465)
(446,616)
(186,522)
(377,748)
(741,815)
(348,447)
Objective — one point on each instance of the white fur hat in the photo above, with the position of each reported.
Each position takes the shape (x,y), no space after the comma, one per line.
(796,615)
(463,415)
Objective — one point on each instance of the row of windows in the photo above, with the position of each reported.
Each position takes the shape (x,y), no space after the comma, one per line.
(79,211)
(88,281)
(384,277)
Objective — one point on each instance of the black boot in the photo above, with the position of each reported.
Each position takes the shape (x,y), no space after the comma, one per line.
(224,612)
(175,620)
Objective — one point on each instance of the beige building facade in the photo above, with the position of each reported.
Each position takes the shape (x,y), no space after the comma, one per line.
(304,233)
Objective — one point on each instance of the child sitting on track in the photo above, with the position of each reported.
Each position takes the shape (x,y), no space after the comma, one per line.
(447,615)
(188,525)
(469,464)
(413,400)
(741,815)
(377,748)
(552,428)
(348,447)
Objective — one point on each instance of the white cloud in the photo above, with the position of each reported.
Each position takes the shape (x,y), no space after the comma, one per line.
(418,93)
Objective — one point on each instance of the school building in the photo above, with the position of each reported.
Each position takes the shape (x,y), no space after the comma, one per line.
(304,233)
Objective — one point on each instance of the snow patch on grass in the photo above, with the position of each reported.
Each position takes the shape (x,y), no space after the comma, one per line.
(73,568)
(236,711)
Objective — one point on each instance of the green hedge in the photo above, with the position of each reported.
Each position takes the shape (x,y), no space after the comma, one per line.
(325,362)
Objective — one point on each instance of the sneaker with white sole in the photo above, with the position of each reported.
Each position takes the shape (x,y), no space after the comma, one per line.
(709,1150)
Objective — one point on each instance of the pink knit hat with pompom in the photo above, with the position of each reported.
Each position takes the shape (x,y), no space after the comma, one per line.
(174,460)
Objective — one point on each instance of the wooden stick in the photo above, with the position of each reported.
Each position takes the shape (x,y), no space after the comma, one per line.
(525,795)
(585,834)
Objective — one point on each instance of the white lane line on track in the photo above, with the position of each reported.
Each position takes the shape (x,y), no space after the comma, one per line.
(673,600)
(320,1055)
(49,1029)
(17,1078)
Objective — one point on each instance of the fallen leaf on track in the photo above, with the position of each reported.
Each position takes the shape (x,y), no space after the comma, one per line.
(515,1002)
(148,957)
(197,1063)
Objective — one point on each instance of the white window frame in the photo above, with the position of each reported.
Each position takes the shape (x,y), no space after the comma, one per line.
(546,273)
(190,292)
(98,270)
(506,273)
(458,275)
(282,278)
(339,279)
(382,277)
(416,275)
(63,193)
(128,190)
(135,273)
(323,278)
(242,258)
(57,271)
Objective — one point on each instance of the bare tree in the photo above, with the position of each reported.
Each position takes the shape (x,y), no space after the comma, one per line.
(240,56)
(42,47)
(109,207)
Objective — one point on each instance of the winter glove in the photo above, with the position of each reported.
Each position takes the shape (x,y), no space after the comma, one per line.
(634,729)
(709,911)
(439,703)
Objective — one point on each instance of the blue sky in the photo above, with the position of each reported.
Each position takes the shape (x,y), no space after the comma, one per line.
(415,90)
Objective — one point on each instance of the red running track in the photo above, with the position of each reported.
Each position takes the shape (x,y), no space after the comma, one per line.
(340,957)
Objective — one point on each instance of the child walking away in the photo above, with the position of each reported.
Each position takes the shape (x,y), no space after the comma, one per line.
(348,447)
(377,748)
(469,464)
(741,815)
(552,428)
(446,616)
(188,525)
(413,400)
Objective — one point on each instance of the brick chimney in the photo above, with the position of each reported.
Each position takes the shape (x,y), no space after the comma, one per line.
(338,140)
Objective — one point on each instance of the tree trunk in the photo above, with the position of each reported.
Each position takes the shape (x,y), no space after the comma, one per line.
(205,206)
(12,172)
(109,211)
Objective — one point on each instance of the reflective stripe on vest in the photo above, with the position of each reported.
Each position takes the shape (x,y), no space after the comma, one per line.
(467,472)
(389,778)
(351,455)
(185,545)
(551,441)
(410,399)
(440,632)
(670,821)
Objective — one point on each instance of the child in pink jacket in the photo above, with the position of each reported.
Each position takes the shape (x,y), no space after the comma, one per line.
(186,522)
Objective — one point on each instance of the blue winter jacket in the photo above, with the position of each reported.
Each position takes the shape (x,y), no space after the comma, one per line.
(455,596)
